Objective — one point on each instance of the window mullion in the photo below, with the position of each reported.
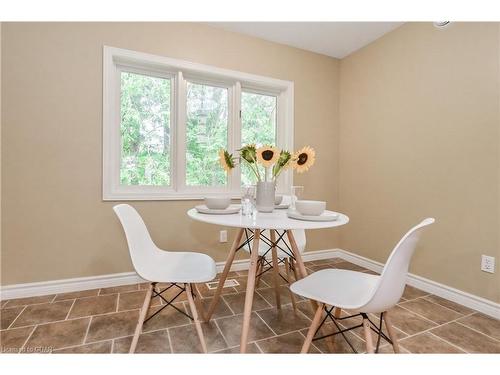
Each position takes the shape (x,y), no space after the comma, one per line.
(180,141)
(234,136)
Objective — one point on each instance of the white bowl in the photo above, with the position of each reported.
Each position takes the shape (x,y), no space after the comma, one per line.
(278,199)
(217,203)
(310,208)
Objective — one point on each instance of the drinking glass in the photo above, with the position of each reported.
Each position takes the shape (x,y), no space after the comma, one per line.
(296,194)
(247,200)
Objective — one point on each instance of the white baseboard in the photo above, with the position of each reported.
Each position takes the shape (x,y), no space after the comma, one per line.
(469,300)
(83,283)
(117,279)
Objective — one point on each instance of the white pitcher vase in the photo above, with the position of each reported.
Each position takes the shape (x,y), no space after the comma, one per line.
(266,191)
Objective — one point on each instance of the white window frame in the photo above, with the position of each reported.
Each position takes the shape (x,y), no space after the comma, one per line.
(116,60)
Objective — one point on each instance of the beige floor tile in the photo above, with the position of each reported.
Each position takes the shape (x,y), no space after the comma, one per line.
(467,339)
(251,349)
(118,289)
(237,302)
(387,349)
(451,305)
(205,292)
(60,334)
(43,313)
(232,274)
(326,261)
(168,317)
(482,323)
(7,316)
(285,295)
(243,284)
(412,293)
(102,347)
(319,267)
(185,339)
(268,278)
(80,294)
(336,344)
(12,340)
(3,303)
(172,292)
(431,311)
(289,343)
(349,266)
(427,343)
(408,322)
(231,329)
(134,300)
(29,300)
(88,306)
(284,320)
(152,342)
(222,309)
(109,326)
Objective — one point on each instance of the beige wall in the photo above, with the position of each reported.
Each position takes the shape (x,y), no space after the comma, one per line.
(54,222)
(418,128)
(419,136)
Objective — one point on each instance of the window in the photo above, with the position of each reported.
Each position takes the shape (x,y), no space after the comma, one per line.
(165,120)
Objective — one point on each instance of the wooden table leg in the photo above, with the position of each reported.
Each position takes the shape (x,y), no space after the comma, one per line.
(296,254)
(276,269)
(289,279)
(252,272)
(227,267)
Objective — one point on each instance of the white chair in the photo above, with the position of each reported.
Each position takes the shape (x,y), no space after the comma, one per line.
(361,293)
(284,254)
(180,269)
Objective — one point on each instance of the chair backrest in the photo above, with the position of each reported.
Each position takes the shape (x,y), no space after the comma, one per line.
(392,281)
(140,245)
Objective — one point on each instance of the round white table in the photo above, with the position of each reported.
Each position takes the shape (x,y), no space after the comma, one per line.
(274,222)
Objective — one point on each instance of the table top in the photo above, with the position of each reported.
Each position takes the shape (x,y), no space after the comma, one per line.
(277,219)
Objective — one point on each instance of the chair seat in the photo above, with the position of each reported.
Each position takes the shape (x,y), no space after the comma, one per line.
(180,267)
(340,288)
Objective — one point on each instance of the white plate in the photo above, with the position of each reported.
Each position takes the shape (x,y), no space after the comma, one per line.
(281,206)
(232,209)
(325,216)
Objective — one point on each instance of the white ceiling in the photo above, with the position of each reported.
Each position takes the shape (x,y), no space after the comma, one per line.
(335,39)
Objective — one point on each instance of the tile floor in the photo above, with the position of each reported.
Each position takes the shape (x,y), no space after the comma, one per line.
(103,320)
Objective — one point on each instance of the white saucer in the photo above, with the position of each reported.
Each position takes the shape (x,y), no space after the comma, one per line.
(281,206)
(325,216)
(232,209)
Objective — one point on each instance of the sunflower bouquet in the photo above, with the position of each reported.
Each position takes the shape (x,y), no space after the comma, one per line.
(268,162)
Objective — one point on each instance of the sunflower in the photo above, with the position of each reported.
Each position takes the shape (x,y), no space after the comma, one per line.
(304,159)
(226,160)
(284,161)
(267,155)
(249,153)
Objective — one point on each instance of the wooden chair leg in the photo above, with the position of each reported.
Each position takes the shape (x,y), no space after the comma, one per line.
(142,316)
(368,336)
(222,279)
(276,270)
(288,278)
(391,332)
(294,269)
(198,303)
(337,312)
(312,329)
(194,311)
(260,269)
